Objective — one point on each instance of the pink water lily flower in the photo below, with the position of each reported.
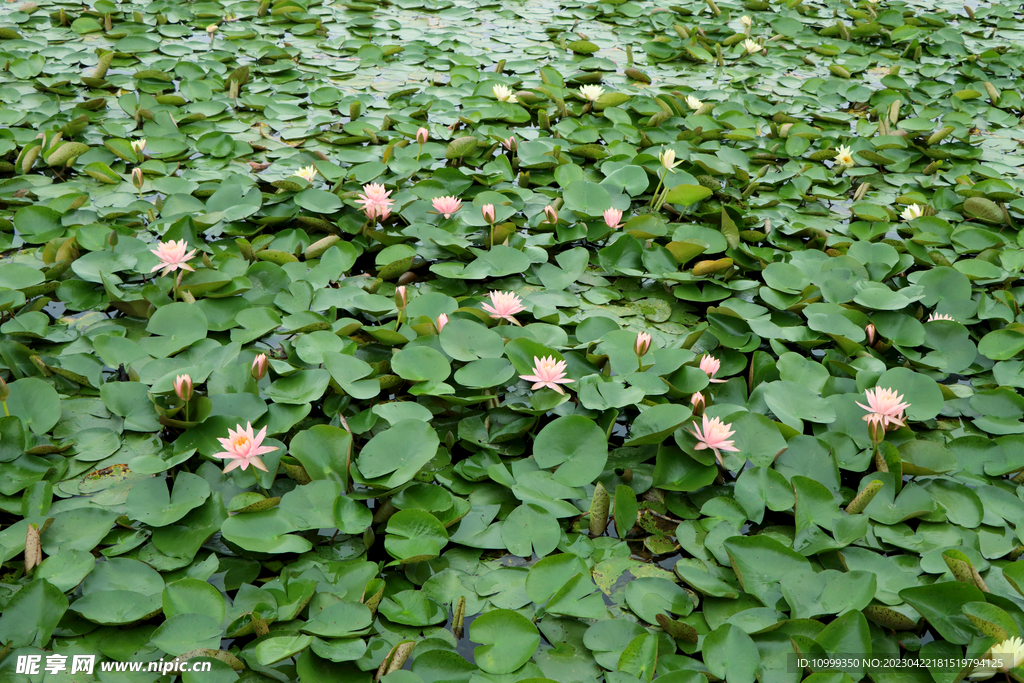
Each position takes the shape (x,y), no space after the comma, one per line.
(698,402)
(884,406)
(505,305)
(446,205)
(714,435)
(374,193)
(939,316)
(375,199)
(547,372)
(173,256)
(612,218)
(710,365)
(442,320)
(183,387)
(243,448)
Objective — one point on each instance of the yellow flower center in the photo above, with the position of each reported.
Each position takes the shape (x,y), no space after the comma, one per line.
(241,443)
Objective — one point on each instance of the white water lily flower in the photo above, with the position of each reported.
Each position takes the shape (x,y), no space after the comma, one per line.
(844,156)
(591,92)
(911,212)
(1006,655)
(503,93)
(668,159)
(746,21)
(752,46)
(307,173)
(693,103)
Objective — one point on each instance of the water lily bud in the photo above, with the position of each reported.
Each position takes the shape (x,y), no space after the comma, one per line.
(599,506)
(870,330)
(862,499)
(112,239)
(139,146)
(137,178)
(183,387)
(442,320)
(643,344)
(212,28)
(422,135)
(510,144)
(4,391)
(488,212)
(876,429)
(698,403)
(552,214)
(400,298)
(259,367)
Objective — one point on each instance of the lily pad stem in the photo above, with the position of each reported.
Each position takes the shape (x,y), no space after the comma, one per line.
(661,200)
(348,457)
(7,413)
(661,180)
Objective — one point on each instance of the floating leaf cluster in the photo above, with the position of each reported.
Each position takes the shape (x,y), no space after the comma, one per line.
(453,340)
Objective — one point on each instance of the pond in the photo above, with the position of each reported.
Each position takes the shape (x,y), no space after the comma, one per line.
(456,340)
